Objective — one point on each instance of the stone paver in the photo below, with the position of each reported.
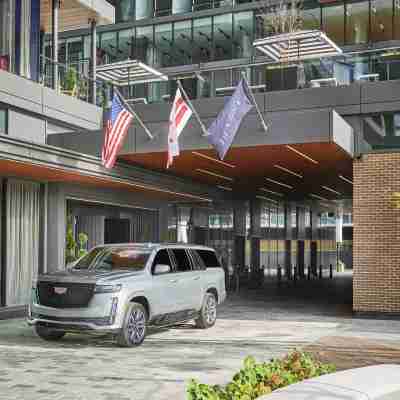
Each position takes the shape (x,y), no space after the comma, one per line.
(265,323)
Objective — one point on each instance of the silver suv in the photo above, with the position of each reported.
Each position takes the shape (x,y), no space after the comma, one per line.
(124,288)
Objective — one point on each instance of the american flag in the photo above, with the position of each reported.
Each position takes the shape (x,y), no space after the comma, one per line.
(117,125)
(180,114)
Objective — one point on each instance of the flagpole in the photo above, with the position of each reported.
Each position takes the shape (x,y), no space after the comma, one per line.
(263,122)
(203,128)
(149,134)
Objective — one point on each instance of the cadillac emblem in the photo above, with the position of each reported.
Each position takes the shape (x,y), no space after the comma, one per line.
(60,290)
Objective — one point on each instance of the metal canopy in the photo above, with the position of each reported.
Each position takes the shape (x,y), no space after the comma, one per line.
(129,72)
(298,45)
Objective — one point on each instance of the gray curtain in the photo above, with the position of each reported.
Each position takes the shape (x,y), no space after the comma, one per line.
(22,236)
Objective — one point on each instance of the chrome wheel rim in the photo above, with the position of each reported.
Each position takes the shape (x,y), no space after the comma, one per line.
(136,326)
(210,310)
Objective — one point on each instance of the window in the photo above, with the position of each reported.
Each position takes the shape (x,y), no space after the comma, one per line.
(164,54)
(202,40)
(163,7)
(183,42)
(125,10)
(243,36)
(223,37)
(162,257)
(3,122)
(182,260)
(209,258)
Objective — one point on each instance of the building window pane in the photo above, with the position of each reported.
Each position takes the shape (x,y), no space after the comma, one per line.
(144,46)
(396,23)
(125,44)
(202,40)
(243,37)
(183,42)
(357,22)
(3,122)
(223,37)
(164,50)
(333,23)
(381,20)
(108,45)
(162,7)
(125,10)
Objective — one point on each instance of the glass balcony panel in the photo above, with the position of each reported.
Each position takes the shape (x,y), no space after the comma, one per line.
(108,46)
(124,10)
(162,8)
(357,22)
(144,44)
(126,44)
(381,20)
(333,22)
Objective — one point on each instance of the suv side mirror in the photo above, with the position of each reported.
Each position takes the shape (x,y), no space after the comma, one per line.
(160,269)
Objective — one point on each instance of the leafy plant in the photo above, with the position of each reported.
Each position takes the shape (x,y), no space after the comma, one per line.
(257,379)
(74,249)
(71,79)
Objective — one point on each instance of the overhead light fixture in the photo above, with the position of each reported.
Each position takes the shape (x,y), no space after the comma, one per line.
(316,196)
(205,171)
(213,159)
(345,179)
(279,183)
(266,198)
(302,154)
(288,171)
(225,188)
(331,190)
(271,191)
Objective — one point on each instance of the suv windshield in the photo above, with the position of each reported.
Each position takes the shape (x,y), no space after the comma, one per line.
(114,258)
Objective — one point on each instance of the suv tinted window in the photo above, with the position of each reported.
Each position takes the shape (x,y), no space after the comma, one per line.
(162,257)
(182,260)
(209,258)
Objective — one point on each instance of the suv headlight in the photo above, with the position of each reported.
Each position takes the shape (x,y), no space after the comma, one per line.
(107,288)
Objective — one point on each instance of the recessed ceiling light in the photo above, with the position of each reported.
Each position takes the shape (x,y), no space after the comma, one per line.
(288,171)
(225,188)
(213,159)
(316,196)
(331,190)
(204,171)
(346,179)
(271,191)
(266,198)
(279,183)
(302,154)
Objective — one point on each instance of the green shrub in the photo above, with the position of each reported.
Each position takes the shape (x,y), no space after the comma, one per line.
(256,379)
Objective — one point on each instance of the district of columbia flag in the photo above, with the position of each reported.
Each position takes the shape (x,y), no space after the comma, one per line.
(180,114)
(117,124)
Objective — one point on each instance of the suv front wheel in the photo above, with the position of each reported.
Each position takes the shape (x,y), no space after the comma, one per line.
(48,333)
(208,312)
(133,330)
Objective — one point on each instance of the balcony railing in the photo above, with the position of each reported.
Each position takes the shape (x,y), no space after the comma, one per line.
(73,80)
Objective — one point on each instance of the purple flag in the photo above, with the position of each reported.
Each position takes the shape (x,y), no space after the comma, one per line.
(223,130)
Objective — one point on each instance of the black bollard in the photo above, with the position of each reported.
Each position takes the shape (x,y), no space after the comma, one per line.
(279,274)
(294,273)
(309,272)
(330,271)
(320,272)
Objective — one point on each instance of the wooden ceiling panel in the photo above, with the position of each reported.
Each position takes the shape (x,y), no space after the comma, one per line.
(317,164)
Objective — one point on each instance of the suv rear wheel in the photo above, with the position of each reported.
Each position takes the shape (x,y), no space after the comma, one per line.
(208,312)
(48,333)
(133,330)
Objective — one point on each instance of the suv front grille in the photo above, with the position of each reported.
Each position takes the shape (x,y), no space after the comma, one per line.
(64,295)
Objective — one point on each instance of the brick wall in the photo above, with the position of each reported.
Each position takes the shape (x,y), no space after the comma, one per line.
(376,240)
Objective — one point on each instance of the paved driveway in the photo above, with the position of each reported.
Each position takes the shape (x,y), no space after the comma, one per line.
(264,323)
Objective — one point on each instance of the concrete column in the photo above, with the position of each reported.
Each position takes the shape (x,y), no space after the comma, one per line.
(144,9)
(239,231)
(255,229)
(54,37)
(301,235)
(93,44)
(181,6)
(314,239)
(339,227)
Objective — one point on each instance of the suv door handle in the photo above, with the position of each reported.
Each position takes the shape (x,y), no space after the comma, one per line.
(196,278)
